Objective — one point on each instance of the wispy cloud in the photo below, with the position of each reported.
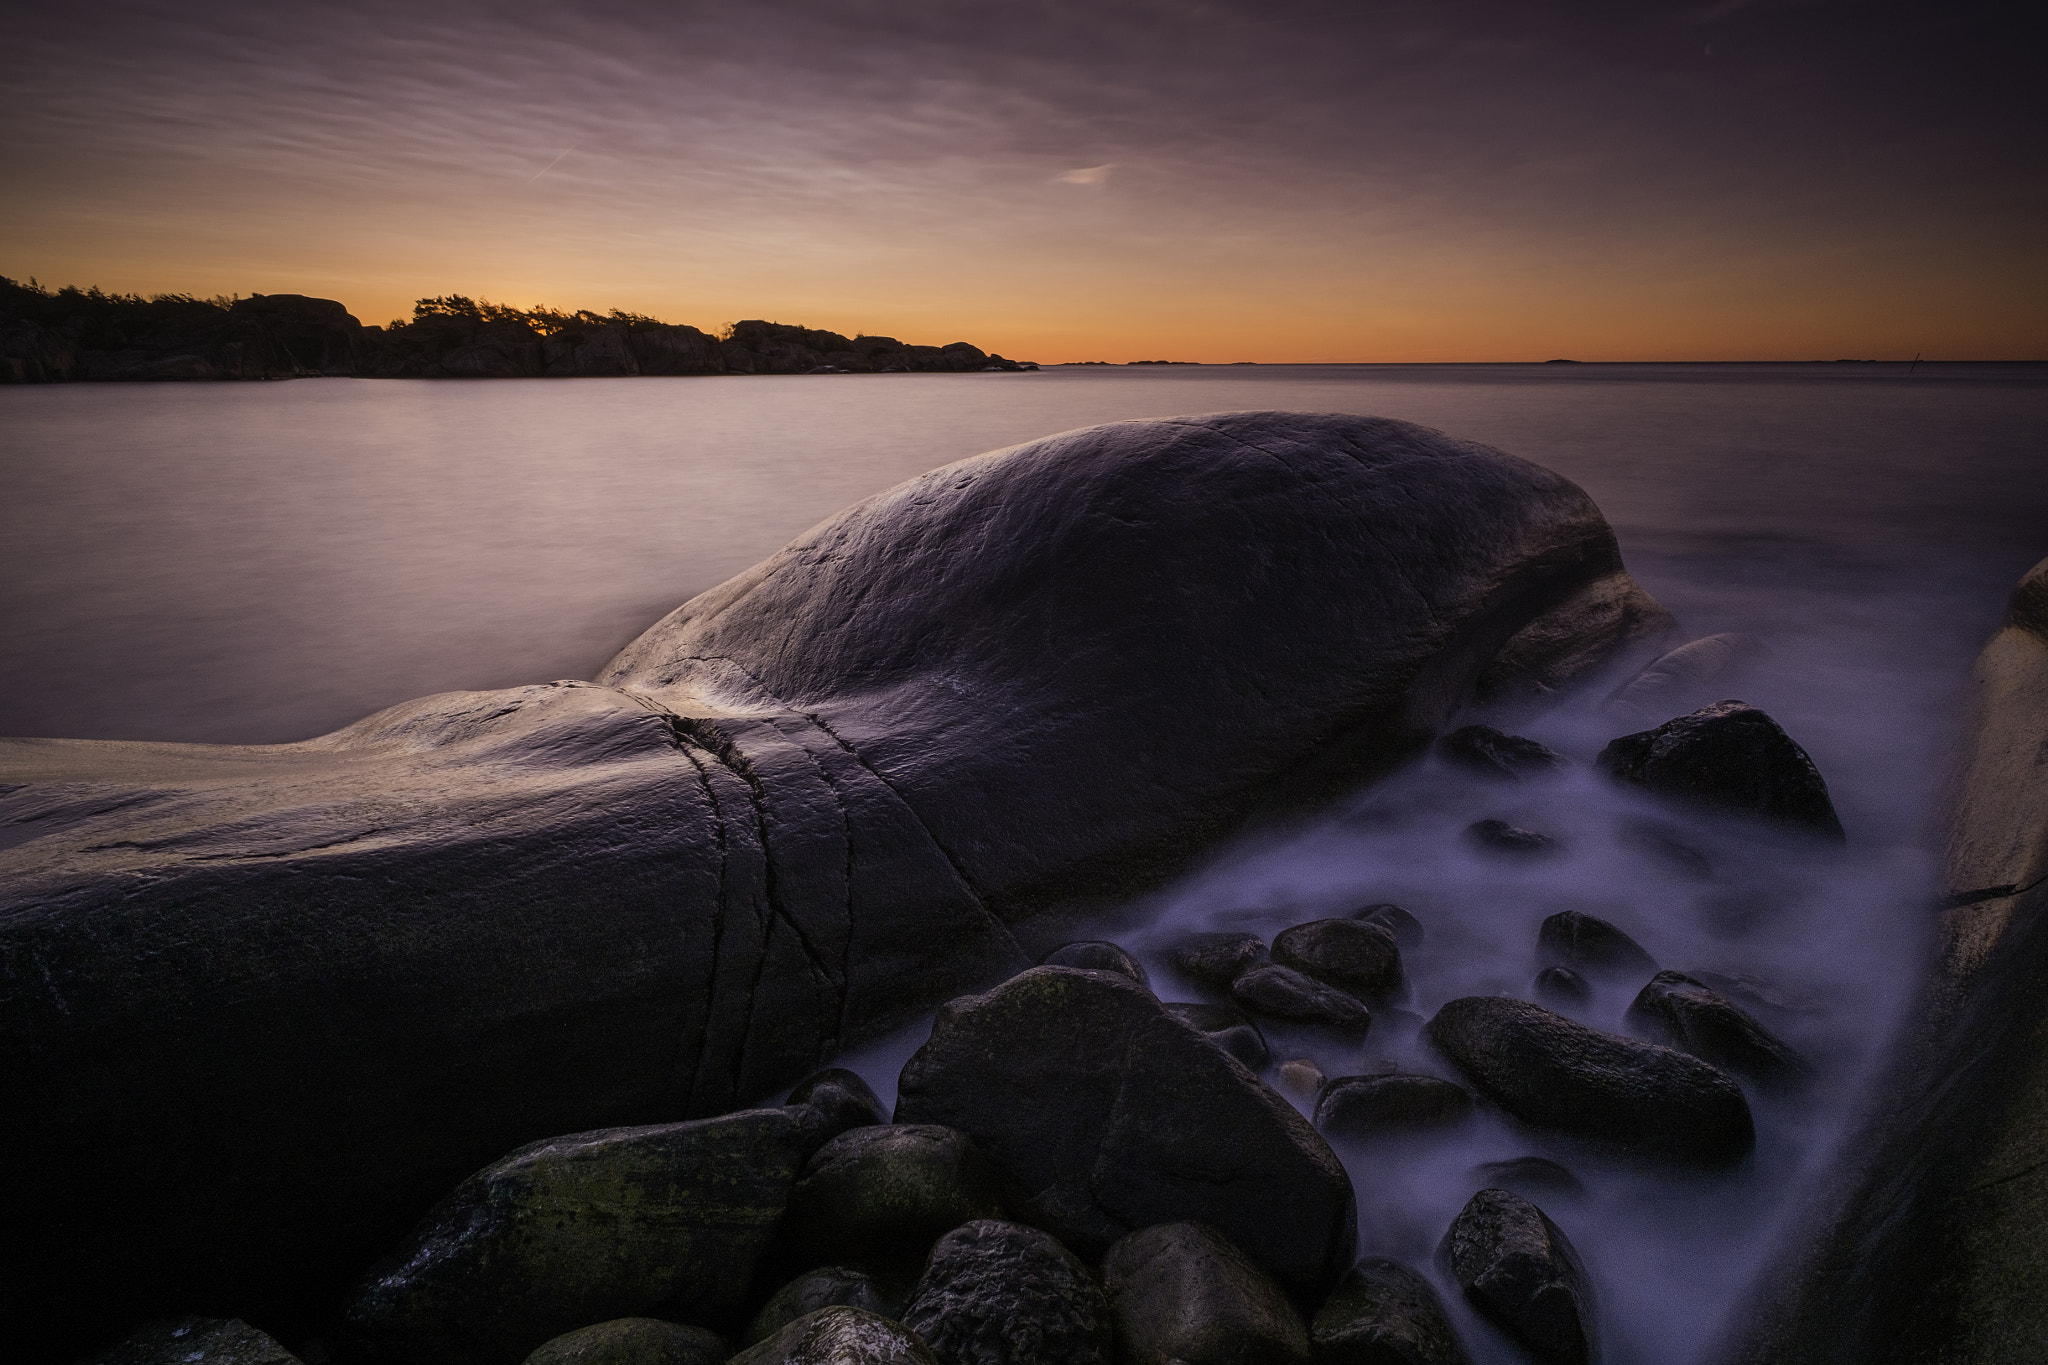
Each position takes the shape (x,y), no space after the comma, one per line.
(1086,175)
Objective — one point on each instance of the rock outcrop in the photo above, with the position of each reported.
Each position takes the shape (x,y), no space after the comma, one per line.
(1181,1294)
(265,1004)
(1728,756)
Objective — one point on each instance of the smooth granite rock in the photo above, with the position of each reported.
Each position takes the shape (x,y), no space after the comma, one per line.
(1406,929)
(1281,992)
(996,1293)
(1487,751)
(1520,1270)
(893,762)
(1228,1028)
(1393,1102)
(1106,1114)
(1590,946)
(1097,955)
(1217,959)
(825,1287)
(1548,1071)
(1181,1294)
(632,1341)
(624,1222)
(1728,756)
(1349,954)
(879,1197)
(1383,1313)
(1681,1012)
(840,1335)
(195,1341)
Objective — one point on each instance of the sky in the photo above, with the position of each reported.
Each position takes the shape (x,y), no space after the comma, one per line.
(1215,180)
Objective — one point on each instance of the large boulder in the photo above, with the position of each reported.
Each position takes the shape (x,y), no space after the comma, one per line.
(585,1229)
(1351,954)
(1181,1294)
(840,1336)
(1107,1114)
(195,1341)
(1552,1072)
(266,1003)
(1678,1011)
(996,1293)
(1383,1313)
(879,1197)
(1728,756)
(632,1341)
(1520,1270)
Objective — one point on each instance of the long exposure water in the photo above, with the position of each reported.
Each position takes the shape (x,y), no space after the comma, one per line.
(253,563)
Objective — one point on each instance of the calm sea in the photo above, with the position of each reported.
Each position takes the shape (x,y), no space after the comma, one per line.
(266,562)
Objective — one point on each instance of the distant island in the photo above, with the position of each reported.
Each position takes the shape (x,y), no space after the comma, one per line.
(69,335)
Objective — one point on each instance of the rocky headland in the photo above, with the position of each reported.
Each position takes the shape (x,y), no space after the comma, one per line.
(66,335)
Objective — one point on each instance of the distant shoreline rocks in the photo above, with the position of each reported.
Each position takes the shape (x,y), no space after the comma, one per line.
(71,335)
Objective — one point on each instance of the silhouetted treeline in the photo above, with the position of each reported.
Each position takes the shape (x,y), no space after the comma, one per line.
(49,336)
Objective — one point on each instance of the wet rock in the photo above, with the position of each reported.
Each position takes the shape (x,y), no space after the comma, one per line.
(1228,1028)
(1682,1012)
(1563,988)
(1729,756)
(1106,1114)
(826,1287)
(196,1341)
(1532,1177)
(1349,954)
(1406,929)
(1097,955)
(1285,993)
(840,1336)
(842,1098)
(1181,1294)
(1373,1106)
(1383,1313)
(1549,1071)
(1591,947)
(633,1341)
(1503,837)
(1301,1078)
(1485,750)
(879,1197)
(996,1293)
(1521,1272)
(1217,959)
(669,1219)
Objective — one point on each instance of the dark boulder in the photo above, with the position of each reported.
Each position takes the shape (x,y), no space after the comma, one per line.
(796,813)
(1284,993)
(1097,956)
(1502,837)
(1727,756)
(195,1341)
(1563,988)
(841,1097)
(879,1197)
(1383,1313)
(1229,1029)
(1548,1071)
(1181,1294)
(1522,1273)
(624,1222)
(1531,1177)
(825,1287)
(1406,929)
(1217,959)
(1350,954)
(840,1335)
(1397,1102)
(632,1341)
(1682,1012)
(996,1293)
(1485,750)
(1107,1114)
(1590,946)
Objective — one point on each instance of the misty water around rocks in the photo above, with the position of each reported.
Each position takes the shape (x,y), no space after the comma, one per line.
(256,563)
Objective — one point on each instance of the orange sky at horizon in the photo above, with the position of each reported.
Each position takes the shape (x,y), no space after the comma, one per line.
(1597,189)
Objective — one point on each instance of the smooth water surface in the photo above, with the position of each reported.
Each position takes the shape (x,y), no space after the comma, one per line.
(266,562)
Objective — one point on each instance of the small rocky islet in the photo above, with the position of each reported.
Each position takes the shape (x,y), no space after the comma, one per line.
(1079,1171)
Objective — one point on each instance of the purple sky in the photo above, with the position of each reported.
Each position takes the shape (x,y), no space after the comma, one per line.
(1276,180)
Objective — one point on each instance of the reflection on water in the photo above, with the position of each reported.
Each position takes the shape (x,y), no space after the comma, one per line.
(264,562)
